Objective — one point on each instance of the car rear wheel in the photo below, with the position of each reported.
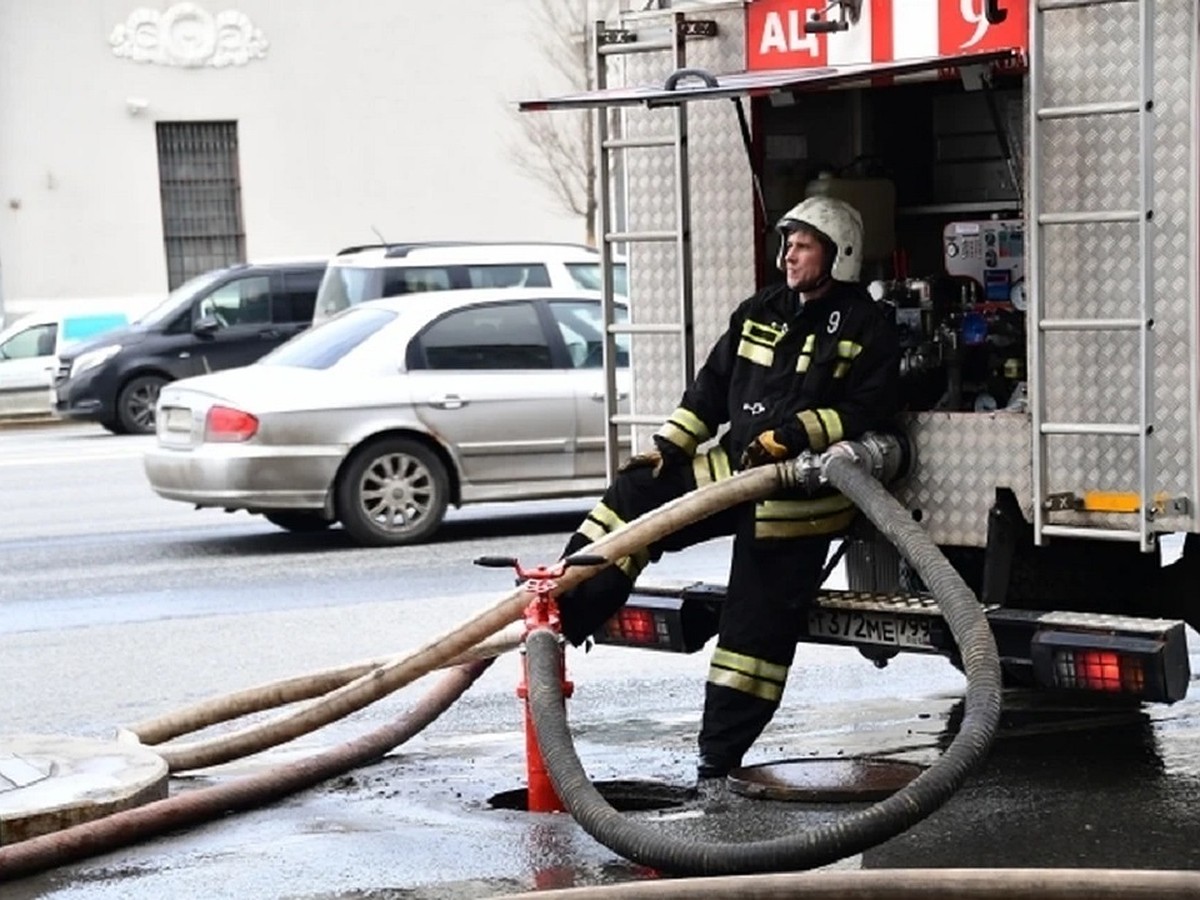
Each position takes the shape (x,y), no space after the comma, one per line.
(394,491)
(301,522)
(135,404)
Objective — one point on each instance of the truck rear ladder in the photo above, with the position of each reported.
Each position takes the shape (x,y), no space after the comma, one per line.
(611,141)
(1140,318)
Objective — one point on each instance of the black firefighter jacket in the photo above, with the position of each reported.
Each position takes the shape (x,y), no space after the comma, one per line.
(816,374)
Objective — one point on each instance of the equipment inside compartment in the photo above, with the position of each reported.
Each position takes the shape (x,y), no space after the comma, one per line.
(935,169)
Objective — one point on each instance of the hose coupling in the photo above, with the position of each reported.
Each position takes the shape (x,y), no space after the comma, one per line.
(883,455)
(804,472)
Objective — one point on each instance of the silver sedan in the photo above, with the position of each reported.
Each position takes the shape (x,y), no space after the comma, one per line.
(387,414)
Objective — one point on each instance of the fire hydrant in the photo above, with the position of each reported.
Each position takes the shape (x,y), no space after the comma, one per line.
(541,612)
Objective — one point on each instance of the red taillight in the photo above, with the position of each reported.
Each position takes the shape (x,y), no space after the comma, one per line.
(1100,670)
(224,423)
(655,619)
(638,627)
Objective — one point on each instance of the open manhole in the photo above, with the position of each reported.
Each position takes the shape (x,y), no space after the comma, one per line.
(625,796)
(819,780)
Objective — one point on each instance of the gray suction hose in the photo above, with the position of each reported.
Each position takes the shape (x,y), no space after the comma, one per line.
(849,468)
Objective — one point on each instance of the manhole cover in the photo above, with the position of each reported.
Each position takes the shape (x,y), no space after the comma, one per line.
(624,796)
(823,780)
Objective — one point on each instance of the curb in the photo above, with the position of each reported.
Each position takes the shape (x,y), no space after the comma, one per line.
(25,421)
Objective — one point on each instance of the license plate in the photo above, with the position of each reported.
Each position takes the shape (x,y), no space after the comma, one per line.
(178,419)
(891,629)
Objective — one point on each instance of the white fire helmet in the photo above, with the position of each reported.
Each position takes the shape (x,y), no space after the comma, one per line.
(836,220)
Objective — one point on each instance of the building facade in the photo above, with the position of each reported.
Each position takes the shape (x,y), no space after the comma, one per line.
(142,141)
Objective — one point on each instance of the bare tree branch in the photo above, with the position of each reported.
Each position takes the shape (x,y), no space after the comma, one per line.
(555,149)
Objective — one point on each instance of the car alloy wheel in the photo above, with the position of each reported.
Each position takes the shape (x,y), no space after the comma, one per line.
(394,491)
(136,402)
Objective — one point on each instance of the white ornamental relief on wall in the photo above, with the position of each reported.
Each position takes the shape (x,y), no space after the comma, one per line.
(186,34)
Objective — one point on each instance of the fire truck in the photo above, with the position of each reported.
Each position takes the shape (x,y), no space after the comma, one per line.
(1027,173)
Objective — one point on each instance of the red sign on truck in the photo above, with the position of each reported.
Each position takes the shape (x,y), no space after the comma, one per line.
(887,30)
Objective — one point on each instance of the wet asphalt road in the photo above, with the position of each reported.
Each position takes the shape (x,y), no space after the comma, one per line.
(116,606)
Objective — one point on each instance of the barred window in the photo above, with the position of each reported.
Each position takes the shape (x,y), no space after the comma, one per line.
(201,197)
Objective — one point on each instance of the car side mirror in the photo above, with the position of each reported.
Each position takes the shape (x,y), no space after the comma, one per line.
(206,324)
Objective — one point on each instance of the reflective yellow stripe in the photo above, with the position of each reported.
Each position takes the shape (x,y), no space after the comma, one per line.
(606,517)
(762,333)
(684,440)
(593,531)
(719,461)
(793,510)
(687,419)
(711,467)
(1112,501)
(756,353)
(848,349)
(810,528)
(633,565)
(765,690)
(816,431)
(685,430)
(602,521)
(806,353)
(749,665)
(833,424)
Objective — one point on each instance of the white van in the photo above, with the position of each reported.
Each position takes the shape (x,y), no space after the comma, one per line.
(29,350)
(358,274)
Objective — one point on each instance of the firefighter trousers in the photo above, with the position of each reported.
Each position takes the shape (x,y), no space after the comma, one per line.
(771,581)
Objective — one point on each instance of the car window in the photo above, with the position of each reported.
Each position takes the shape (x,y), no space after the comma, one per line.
(321,347)
(491,336)
(587,276)
(346,286)
(297,295)
(76,328)
(37,340)
(190,288)
(534,275)
(411,280)
(581,324)
(243,301)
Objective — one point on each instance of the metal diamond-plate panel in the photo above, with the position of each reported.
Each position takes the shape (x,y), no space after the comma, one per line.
(1092,270)
(1096,160)
(961,458)
(722,210)
(1099,382)
(1092,54)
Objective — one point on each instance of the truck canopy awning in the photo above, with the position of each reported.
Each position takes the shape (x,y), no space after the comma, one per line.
(693,84)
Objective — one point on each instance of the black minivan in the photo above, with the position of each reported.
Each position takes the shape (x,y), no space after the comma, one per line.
(219,320)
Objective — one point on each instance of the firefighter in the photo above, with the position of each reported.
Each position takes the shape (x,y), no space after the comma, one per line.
(801,366)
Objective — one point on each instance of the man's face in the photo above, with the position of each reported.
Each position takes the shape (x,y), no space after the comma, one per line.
(803,260)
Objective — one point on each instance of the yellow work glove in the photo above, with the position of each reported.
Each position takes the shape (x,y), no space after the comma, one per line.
(664,454)
(651,459)
(768,447)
